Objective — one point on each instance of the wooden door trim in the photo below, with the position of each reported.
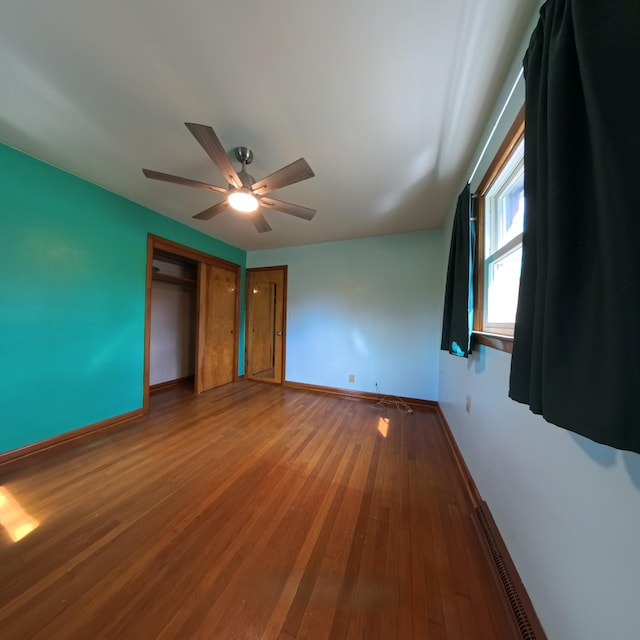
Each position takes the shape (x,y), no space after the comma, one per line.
(193,254)
(285,271)
(197,380)
(147,324)
(156,242)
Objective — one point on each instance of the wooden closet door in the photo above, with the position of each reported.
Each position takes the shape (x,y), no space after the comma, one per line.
(216,339)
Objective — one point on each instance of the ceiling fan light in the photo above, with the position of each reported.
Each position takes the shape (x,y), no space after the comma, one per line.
(243,200)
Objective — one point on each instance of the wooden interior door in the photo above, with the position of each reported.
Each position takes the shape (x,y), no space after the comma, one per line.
(266,319)
(262,322)
(216,339)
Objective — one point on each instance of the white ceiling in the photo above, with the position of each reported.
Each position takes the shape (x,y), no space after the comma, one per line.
(385,100)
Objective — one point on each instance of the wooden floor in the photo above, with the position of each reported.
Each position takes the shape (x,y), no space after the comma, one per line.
(250,511)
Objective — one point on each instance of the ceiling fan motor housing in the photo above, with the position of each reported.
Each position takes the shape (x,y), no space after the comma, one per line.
(247,180)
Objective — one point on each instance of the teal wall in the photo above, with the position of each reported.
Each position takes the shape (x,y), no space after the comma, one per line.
(72,299)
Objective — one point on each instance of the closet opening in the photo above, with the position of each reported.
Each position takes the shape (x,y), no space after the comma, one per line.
(172,344)
(192,318)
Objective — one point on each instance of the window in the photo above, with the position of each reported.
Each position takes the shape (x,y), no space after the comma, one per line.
(500,223)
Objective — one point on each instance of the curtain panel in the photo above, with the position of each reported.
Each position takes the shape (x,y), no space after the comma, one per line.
(457,321)
(576,351)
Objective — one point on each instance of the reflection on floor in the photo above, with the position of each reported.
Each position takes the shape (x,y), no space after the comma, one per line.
(250,511)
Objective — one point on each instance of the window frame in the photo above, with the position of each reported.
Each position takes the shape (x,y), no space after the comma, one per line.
(493,337)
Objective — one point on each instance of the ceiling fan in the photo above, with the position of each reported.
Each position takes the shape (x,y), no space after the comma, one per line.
(243,193)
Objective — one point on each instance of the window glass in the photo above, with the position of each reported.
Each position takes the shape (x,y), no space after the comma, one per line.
(502,206)
(502,288)
(504,203)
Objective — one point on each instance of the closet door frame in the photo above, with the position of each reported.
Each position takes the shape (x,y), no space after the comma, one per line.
(157,243)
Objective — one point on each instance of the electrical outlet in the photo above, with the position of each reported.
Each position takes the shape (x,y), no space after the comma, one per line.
(467,404)
(352,378)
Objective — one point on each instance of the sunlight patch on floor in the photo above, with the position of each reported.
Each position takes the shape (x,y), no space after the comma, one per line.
(16,521)
(383,426)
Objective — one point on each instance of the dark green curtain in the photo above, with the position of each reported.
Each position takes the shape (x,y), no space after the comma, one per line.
(457,320)
(576,351)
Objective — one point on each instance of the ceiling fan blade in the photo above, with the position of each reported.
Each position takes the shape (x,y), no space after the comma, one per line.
(260,222)
(207,214)
(286,207)
(166,177)
(208,140)
(292,173)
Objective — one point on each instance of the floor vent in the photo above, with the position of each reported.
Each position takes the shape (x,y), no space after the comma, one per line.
(519,603)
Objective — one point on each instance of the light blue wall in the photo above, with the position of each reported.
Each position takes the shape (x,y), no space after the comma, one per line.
(368,307)
(72,299)
(568,509)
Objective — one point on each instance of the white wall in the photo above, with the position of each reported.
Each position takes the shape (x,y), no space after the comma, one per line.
(172,340)
(369,307)
(568,508)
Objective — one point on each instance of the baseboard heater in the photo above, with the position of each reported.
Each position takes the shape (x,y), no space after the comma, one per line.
(516,598)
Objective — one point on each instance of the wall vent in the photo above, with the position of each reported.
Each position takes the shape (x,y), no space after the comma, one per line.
(525,617)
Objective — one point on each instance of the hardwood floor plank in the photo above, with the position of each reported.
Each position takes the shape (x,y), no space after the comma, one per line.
(313,505)
(284,615)
(250,511)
